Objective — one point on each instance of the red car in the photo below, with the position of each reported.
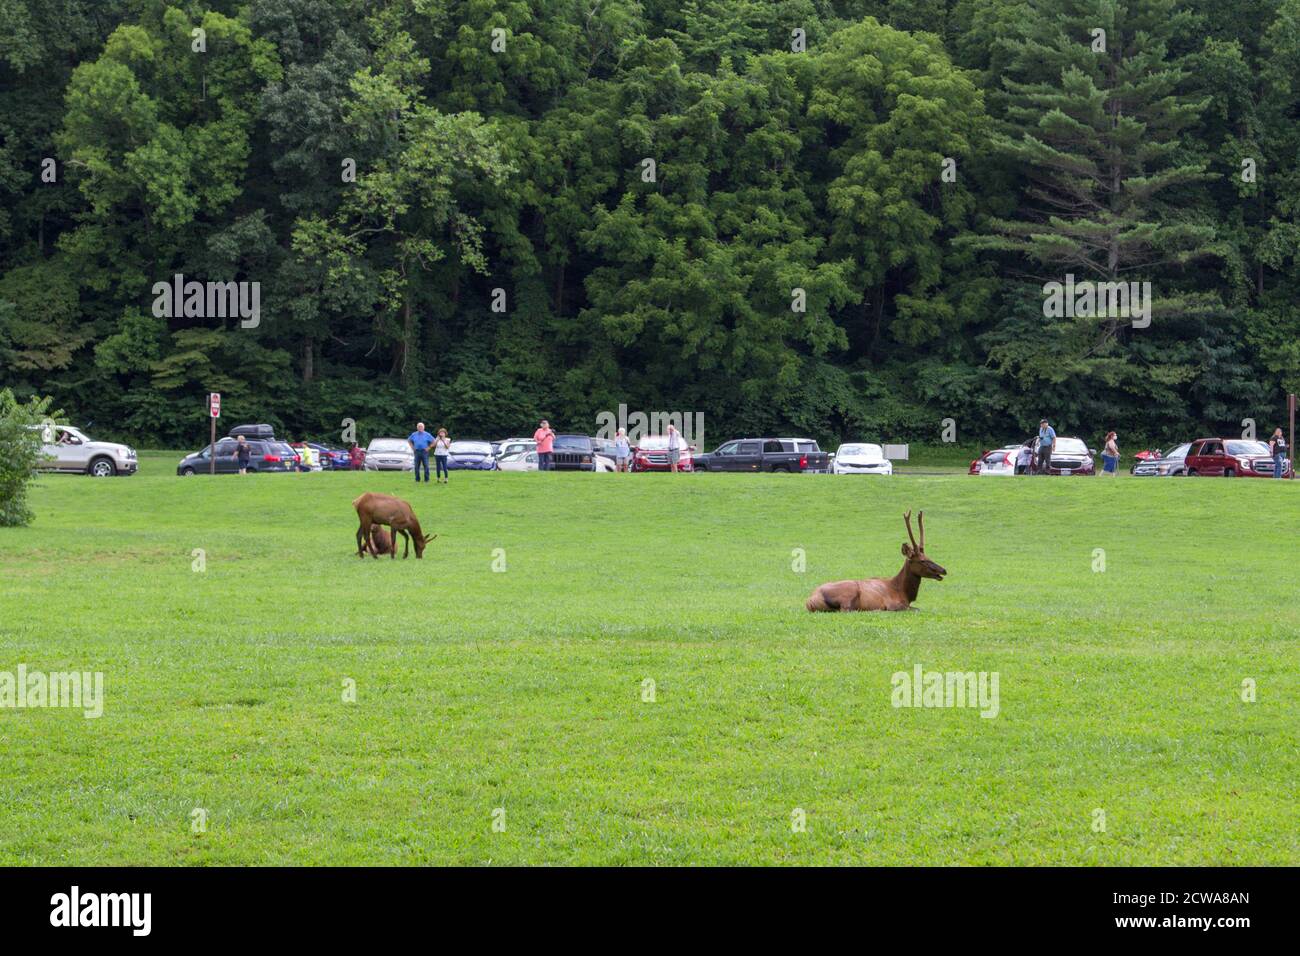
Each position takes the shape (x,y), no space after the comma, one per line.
(651,454)
(1233,458)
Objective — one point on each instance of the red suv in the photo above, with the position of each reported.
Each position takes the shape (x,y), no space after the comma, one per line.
(1231,458)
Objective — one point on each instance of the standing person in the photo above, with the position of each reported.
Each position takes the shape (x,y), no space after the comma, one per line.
(622,450)
(243,452)
(1110,455)
(420,441)
(441,449)
(1278,447)
(1046,439)
(1024,457)
(545,439)
(356,457)
(674,446)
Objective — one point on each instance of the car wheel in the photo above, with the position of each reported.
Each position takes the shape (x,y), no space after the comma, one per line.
(1229,473)
(1191,472)
(187,471)
(102,468)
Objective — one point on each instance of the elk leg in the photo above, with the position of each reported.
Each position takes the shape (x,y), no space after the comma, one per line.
(363,538)
(406,545)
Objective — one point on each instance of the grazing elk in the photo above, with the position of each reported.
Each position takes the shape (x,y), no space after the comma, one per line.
(376,509)
(882,594)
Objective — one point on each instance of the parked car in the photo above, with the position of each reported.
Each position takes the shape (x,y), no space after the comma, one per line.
(267,456)
(1070,456)
(1166,465)
(471,456)
(999,461)
(331,459)
(651,454)
(390,454)
(1232,458)
(573,453)
(605,447)
(764,454)
(509,446)
(71,450)
(861,458)
(518,461)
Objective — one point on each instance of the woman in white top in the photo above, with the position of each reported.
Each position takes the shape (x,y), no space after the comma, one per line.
(441,449)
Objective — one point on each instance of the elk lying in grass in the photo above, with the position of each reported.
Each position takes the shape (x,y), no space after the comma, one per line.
(379,542)
(882,594)
(376,509)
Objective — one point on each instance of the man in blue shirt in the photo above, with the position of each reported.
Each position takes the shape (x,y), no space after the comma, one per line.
(420,441)
(1046,439)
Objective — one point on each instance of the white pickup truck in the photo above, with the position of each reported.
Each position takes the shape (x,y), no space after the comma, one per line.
(69,449)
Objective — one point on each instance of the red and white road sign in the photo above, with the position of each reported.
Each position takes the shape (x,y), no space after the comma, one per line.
(214,404)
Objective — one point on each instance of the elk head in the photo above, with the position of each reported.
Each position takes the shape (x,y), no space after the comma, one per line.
(917,563)
(421,541)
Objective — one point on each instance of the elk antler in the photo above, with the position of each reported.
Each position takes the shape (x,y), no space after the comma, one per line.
(920,523)
(907,518)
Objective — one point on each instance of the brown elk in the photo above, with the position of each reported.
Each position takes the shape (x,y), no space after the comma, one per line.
(376,509)
(882,594)
(379,542)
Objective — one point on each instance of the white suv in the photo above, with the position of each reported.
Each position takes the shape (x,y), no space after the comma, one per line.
(69,449)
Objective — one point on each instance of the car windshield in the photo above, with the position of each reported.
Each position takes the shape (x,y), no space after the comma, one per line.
(389,445)
(861,451)
(1179,452)
(471,448)
(657,442)
(1071,446)
(1247,448)
(574,442)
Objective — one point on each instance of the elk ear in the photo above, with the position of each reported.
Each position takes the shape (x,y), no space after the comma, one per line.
(907,550)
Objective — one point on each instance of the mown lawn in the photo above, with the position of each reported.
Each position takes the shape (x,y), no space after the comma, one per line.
(1120,690)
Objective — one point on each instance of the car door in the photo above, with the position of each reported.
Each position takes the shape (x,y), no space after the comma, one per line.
(721,459)
(227,463)
(71,452)
(748,456)
(1212,460)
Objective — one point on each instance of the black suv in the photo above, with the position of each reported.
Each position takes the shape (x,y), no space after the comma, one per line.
(573,453)
(263,455)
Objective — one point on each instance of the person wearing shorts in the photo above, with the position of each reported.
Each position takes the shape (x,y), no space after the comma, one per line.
(622,451)
(674,447)
(243,452)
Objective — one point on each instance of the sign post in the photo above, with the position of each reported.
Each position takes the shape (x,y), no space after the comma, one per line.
(214,412)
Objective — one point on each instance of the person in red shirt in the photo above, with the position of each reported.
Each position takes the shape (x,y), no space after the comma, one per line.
(356,457)
(545,439)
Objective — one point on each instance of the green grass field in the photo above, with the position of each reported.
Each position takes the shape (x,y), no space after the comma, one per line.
(1120,690)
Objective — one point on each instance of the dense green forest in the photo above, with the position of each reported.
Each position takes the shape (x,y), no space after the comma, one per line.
(831,217)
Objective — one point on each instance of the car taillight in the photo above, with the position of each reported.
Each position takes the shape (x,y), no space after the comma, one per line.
(803,461)
(270,458)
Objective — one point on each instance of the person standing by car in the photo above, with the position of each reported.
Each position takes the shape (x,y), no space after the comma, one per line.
(1023,459)
(1046,439)
(441,449)
(243,452)
(545,439)
(674,446)
(622,450)
(1277,445)
(1110,455)
(420,441)
(356,457)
